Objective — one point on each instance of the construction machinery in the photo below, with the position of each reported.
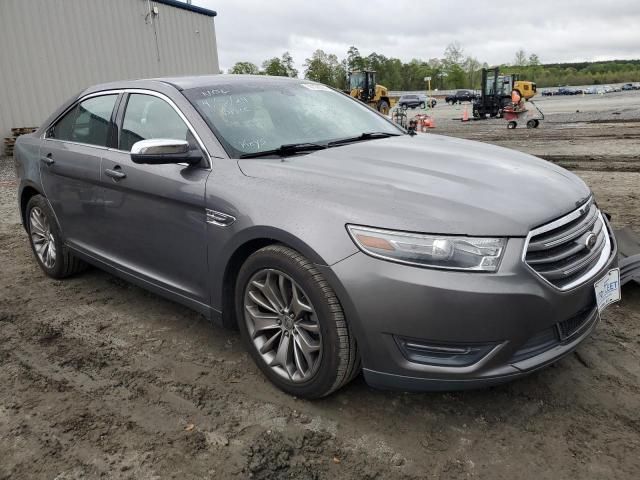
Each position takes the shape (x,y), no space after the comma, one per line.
(495,92)
(363,86)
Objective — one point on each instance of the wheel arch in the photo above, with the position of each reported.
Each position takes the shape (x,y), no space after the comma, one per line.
(249,242)
(26,193)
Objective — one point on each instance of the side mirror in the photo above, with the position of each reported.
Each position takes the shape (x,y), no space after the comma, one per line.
(158,151)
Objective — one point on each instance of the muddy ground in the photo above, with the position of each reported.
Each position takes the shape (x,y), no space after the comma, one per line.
(100,379)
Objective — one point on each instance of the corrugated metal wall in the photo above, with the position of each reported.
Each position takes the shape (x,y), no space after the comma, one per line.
(51,49)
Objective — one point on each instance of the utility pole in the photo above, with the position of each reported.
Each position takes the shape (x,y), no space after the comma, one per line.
(428,80)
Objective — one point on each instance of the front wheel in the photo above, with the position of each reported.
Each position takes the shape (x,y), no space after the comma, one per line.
(383,107)
(293,324)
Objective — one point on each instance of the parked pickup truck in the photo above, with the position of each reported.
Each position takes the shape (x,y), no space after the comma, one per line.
(460,96)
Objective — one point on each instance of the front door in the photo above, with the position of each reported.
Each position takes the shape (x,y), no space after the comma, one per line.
(70,167)
(155,213)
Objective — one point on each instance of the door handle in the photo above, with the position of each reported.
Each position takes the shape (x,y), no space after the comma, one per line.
(116,174)
(48,160)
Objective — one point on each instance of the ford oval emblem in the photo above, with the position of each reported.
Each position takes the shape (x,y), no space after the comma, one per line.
(591,240)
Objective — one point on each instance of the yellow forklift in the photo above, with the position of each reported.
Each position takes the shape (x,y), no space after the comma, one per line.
(363,86)
(495,93)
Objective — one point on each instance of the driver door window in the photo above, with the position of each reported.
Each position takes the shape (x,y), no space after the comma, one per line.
(147,117)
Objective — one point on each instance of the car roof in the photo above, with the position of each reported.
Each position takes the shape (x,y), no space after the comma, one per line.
(194,81)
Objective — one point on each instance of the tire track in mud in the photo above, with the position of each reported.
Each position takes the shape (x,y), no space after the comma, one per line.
(125,374)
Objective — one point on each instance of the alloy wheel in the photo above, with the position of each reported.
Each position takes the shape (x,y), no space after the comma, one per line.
(283,325)
(42,238)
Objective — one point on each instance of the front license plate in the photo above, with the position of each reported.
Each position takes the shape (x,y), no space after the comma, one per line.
(608,289)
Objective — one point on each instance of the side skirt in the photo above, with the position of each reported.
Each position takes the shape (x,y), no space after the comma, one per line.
(209,313)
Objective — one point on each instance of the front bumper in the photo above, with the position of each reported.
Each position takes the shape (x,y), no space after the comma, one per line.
(527,323)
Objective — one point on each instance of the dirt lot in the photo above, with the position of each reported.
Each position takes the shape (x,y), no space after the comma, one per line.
(101,379)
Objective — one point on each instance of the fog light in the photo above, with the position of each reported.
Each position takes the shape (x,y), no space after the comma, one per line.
(442,354)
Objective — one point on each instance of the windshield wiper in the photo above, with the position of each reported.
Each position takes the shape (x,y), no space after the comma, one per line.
(287,149)
(363,136)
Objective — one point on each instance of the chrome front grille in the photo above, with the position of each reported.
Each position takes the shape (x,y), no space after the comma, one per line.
(570,250)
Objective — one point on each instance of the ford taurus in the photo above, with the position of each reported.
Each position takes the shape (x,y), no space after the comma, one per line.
(334,240)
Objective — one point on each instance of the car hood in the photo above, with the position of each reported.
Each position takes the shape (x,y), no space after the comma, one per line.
(425,183)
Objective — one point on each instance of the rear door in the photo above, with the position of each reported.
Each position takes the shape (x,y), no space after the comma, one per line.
(70,156)
(155,213)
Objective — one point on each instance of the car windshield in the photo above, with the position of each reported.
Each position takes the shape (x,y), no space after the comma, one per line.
(259,116)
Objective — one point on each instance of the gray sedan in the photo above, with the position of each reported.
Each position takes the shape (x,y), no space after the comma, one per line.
(334,240)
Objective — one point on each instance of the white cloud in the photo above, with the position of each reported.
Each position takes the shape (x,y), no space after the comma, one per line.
(558,30)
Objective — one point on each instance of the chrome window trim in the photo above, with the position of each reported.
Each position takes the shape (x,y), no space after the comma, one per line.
(589,274)
(71,107)
(141,91)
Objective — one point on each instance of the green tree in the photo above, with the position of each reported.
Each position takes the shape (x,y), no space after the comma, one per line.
(246,68)
(520,58)
(324,68)
(453,66)
(287,63)
(472,69)
(280,67)
(534,60)
(354,59)
(453,55)
(273,66)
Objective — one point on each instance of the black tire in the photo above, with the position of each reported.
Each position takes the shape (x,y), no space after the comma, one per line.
(433,103)
(65,263)
(512,125)
(476,113)
(339,361)
(531,124)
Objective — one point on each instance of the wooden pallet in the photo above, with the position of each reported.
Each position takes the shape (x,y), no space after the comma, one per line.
(17,131)
(9,142)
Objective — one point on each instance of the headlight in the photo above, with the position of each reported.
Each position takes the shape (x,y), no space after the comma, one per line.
(436,251)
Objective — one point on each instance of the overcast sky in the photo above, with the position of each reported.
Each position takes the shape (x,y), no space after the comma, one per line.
(557,30)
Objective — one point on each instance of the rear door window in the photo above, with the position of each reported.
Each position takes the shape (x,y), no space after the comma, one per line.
(88,122)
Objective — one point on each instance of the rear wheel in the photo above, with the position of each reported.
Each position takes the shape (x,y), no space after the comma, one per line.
(532,124)
(293,324)
(511,125)
(52,255)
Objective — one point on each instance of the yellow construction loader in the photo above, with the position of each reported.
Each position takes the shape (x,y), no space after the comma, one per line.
(363,86)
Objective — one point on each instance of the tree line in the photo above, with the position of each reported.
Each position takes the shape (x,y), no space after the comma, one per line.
(453,70)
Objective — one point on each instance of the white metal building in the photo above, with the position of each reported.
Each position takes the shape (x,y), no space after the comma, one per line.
(52,49)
